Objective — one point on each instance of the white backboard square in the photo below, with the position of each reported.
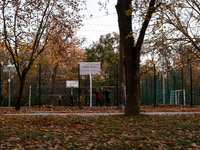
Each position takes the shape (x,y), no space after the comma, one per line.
(90,67)
(72,84)
(9,68)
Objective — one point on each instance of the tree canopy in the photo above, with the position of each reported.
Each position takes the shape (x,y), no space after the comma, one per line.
(105,51)
(29,25)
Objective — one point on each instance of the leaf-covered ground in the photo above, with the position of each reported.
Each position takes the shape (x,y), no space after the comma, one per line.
(99,132)
(151,108)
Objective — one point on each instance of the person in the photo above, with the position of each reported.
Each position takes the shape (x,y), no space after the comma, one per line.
(71,100)
(98,97)
(107,97)
(59,100)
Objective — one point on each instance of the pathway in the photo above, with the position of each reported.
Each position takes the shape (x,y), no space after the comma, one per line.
(45,113)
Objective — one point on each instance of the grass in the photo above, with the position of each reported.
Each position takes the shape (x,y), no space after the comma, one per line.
(100,132)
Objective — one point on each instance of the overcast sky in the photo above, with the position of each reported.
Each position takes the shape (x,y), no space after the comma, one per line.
(97,23)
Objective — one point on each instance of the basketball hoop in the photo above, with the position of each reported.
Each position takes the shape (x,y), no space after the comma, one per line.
(71,84)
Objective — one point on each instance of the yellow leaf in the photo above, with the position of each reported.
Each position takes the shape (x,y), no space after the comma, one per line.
(129,35)
(35,142)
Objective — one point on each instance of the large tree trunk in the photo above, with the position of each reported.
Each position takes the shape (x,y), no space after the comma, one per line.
(131,58)
(132,52)
(121,78)
(21,90)
(132,83)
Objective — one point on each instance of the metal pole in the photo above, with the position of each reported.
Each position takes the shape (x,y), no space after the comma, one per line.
(79,86)
(182,85)
(174,87)
(71,91)
(168,91)
(161,88)
(163,78)
(191,83)
(151,92)
(194,97)
(0,67)
(9,90)
(30,96)
(147,96)
(90,87)
(39,85)
(117,86)
(0,84)
(154,85)
(142,91)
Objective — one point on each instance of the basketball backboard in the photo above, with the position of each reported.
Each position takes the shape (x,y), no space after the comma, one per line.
(71,84)
(90,67)
(9,68)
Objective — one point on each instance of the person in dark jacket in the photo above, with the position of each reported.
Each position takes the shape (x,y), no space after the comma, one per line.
(59,100)
(71,100)
(107,97)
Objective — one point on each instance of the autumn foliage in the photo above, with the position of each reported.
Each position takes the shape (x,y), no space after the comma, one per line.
(98,132)
(28,27)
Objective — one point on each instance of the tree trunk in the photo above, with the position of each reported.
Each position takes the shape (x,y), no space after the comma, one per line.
(132,84)
(21,90)
(132,52)
(131,58)
(121,78)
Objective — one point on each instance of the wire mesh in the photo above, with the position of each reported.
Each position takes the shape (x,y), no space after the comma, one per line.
(51,89)
(181,86)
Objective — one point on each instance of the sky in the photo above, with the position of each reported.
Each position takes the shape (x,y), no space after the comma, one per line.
(97,22)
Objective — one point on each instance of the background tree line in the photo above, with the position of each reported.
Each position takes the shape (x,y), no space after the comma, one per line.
(166,29)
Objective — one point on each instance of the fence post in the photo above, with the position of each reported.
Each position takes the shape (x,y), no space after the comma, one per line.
(194,96)
(182,85)
(151,92)
(191,83)
(147,97)
(174,87)
(168,91)
(161,88)
(154,85)
(117,86)
(142,91)
(39,85)
(79,89)
(0,83)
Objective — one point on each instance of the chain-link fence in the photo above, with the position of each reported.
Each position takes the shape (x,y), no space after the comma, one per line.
(44,88)
(180,86)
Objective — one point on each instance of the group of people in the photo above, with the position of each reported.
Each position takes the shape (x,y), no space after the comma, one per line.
(98,97)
